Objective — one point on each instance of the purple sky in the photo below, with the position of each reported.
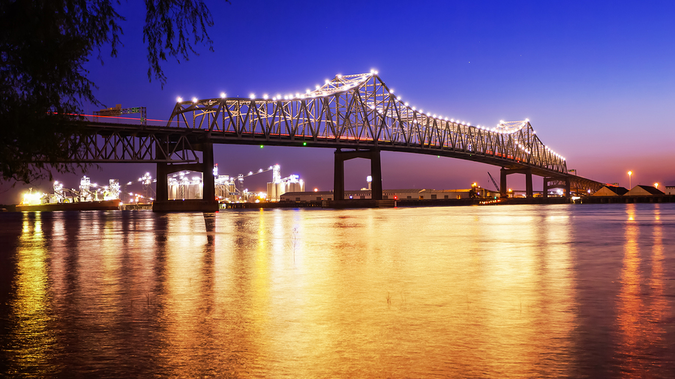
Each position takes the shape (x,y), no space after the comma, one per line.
(596,79)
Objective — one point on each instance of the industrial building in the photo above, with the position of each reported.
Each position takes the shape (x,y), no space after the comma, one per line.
(640,190)
(279,186)
(396,194)
(611,191)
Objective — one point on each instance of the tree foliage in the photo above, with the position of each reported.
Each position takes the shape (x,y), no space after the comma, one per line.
(44,45)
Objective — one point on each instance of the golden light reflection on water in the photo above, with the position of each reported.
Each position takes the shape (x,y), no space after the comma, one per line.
(469,292)
(33,341)
(642,306)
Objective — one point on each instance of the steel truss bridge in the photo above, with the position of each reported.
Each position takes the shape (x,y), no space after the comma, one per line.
(358,115)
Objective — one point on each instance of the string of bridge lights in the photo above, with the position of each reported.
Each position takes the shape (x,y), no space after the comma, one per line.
(500,128)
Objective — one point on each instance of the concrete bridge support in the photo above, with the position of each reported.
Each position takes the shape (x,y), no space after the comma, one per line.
(207,203)
(503,187)
(339,171)
(564,183)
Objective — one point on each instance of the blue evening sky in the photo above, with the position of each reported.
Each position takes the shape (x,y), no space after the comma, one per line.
(595,78)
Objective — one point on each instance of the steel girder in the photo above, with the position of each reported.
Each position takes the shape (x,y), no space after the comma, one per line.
(360,111)
(107,144)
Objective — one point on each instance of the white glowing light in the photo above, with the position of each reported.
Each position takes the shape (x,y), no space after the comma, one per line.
(194,99)
(252,96)
(265,96)
(222,95)
(179,99)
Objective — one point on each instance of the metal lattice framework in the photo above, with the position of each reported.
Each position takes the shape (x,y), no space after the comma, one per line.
(132,145)
(360,111)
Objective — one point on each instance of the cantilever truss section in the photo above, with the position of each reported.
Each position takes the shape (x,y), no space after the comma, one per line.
(115,147)
(360,111)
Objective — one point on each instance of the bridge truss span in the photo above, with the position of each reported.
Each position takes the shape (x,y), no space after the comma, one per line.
(360,111)
(113,143)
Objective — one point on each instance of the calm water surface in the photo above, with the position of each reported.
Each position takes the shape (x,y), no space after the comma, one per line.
(501,291)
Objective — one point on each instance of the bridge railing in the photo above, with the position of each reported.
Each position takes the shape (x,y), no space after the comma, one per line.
(123,120)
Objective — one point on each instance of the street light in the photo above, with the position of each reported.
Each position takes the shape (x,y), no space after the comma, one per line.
(630,181)
(656,185)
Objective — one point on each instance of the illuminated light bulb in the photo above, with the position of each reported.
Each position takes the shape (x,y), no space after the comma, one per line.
(265,96)
(307,90)
(406,104)
(179,99)
(297,94)
(285,97)
(413,108)
(372,71)
(252,96)
(222,95)
(501,121)
(391,90)
(452,120)
(339,76)
(375,72)
(194,99)
(274,98)
(327,81)
(317,86)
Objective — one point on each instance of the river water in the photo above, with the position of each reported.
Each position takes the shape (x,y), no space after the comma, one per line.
(490,291)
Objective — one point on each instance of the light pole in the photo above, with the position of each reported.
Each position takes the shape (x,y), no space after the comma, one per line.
(630,181)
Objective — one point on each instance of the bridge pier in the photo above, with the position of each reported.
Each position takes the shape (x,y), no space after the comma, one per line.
(564,183)
(207,203)
(503,190)
(339,172)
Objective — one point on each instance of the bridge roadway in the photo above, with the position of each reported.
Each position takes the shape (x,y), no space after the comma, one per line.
(357,115)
